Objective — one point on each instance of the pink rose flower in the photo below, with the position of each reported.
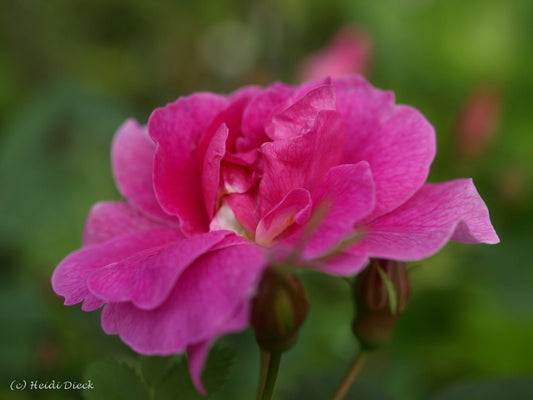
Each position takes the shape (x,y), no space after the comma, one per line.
(219,186)
(477,121)
(349,52)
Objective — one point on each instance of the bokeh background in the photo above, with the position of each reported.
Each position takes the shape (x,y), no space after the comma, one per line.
(72,71)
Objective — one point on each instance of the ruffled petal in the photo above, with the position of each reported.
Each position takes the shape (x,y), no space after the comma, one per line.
(305,88)
(69,279)
(231,116)
(132,157)
(258,113)
(147,278)
(435,214)
(396,140)
(201,306)
(300,116)
(301,162)
(177,129)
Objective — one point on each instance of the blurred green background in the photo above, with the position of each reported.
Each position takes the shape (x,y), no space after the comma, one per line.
(72,70)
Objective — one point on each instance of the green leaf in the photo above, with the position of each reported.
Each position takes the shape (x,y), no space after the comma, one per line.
(516,388)
(113,380)
(154,369)
(393,300)
(177,383)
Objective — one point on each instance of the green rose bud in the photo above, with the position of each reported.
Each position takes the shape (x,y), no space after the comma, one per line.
(381,294)
(278,310)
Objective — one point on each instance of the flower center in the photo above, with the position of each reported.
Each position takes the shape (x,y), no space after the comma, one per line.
(225,219)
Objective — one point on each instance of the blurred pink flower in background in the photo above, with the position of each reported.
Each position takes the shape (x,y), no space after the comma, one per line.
(218,187)
(477,121)
(349,52)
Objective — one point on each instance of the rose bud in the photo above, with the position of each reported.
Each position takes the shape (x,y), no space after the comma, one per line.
(477,122)
(349,52)
(278,310)
(381,294)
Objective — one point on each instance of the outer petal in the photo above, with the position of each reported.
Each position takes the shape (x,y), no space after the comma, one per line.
(108,319)
(176,129)
(108,219)
(147,278)
(397,141)
(133,160)
(435,214)
(196,358)
(301,162)
(70,277)
(201,305)
(197,353)
(295,207)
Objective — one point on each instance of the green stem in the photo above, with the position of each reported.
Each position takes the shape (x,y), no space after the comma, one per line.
(350,375)
(270,360)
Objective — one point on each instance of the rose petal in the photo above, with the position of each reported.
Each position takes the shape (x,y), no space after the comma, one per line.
(91,303)
(108,219)
(231,117)
(245,207)
(347,192)
(301,162)
(246,158)
(70,277)
(201,305)
(211,168)
(344,264)
(109,320)
(300,116)
(147,278)
(294,208)
(177,129)
(225,219)
(396,140)
(258,113)
(196,358)
(305,88)
(132,157)
(197,353)
(237,178)
(435,214)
